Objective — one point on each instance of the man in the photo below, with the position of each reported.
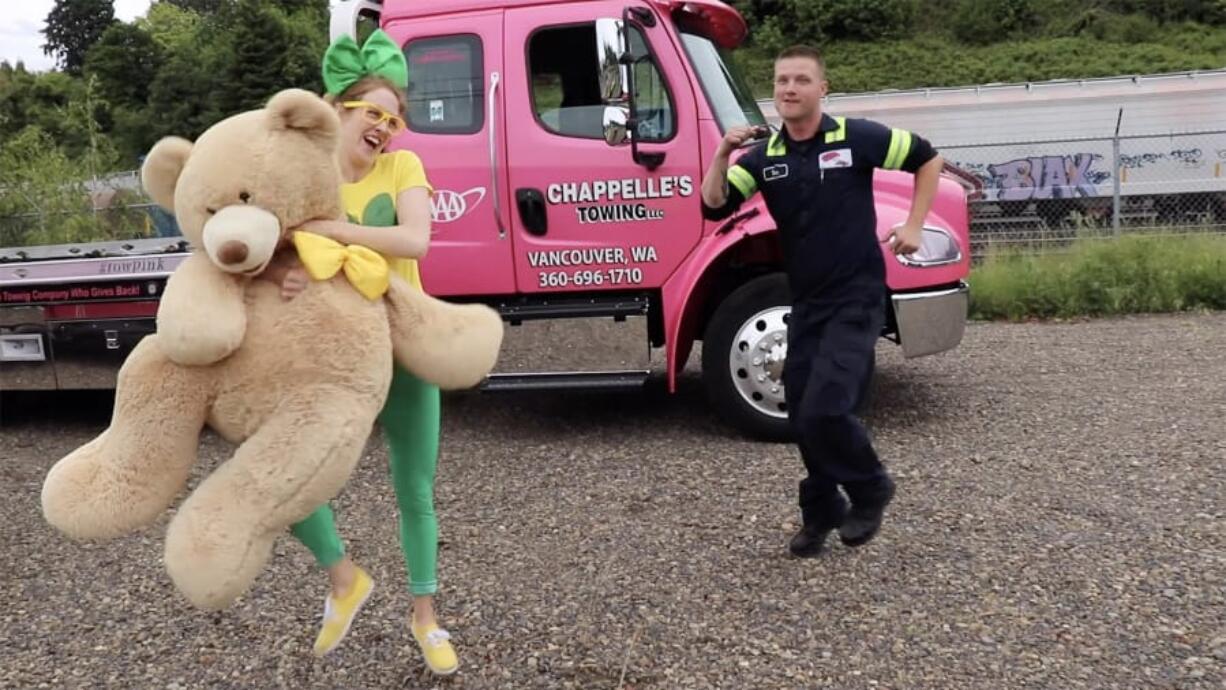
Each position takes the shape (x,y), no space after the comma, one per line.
(816,176)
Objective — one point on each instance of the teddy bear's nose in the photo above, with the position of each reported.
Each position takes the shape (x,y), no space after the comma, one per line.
(232,252)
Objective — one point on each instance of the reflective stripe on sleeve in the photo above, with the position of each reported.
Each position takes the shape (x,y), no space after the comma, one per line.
(900,147)
(742,180)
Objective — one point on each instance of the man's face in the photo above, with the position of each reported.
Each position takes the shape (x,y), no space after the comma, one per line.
(799,88)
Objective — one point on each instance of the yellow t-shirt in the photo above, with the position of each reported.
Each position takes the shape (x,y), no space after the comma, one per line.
(372,200)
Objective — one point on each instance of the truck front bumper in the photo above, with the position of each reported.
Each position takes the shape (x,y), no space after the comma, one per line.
(931,322)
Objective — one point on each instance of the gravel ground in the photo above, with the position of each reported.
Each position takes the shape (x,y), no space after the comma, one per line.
(1061,523)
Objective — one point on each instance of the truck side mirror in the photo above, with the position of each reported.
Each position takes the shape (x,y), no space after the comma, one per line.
(614,80)
(356,18)
(617,82)
(610,50)
(616,130)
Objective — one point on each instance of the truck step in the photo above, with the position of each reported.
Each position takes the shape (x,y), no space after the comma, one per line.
(561,380)
(562,307)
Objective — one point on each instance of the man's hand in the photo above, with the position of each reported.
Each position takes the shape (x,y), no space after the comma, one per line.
(736,137)
(906,238)
(715,181)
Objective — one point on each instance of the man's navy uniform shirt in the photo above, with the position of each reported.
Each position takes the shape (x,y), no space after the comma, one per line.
(820,193)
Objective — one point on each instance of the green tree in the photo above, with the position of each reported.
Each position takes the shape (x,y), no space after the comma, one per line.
(1205,11)
(261,35)
(864,20)
(184,98)
(170,25)
(296,6)
(40,99)
(36,188)
(125,61)
(197,6)
(307,41)
(233,59)
(72,27)
(777,25)
(98,155)
(980,22)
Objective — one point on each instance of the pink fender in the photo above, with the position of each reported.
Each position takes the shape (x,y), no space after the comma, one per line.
(892,194)
(684,291)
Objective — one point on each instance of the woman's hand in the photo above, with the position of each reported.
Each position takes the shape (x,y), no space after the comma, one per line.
(287,271)
(295,281)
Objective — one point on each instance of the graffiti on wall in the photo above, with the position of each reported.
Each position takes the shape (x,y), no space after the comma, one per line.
(1047,177)
(1189,158)
(1089,174)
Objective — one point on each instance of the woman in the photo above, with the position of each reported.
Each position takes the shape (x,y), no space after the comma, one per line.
(387,199)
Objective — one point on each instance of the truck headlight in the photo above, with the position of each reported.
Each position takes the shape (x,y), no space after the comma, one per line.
(938,247)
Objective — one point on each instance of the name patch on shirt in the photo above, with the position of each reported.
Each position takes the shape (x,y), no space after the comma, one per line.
(775,172)
(838,158)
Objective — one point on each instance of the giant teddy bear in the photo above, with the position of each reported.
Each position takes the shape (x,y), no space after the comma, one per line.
(296,385)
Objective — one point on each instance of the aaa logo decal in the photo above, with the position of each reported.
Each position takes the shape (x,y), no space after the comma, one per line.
(447,206)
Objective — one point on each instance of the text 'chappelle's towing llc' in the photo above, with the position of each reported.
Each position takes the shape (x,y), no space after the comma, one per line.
(614,201)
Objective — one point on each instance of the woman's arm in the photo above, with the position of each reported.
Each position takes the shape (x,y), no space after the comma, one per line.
(409,239)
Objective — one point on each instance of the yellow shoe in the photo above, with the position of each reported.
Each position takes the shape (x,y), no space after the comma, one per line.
(339,613)
(436,649)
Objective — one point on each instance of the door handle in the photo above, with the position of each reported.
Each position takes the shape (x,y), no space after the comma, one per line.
(493,111)
(532,210)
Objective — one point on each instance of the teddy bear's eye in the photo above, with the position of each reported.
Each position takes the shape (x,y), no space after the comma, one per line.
(244,197)
(210,211)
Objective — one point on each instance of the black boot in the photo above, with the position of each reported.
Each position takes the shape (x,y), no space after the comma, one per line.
(810,540)
(867,510)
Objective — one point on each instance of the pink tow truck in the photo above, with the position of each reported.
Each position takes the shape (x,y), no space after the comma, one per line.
(567,142)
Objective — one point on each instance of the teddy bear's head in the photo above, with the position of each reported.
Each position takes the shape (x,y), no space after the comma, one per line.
(250,179)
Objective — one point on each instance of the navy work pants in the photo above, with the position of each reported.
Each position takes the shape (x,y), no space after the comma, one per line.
(829,366)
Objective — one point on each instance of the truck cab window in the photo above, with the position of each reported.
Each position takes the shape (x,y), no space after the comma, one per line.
(446,91)
(368,21)
(566,85)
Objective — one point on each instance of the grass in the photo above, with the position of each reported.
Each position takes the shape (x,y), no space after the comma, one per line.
(72,228)
(933,61)
(1104,277)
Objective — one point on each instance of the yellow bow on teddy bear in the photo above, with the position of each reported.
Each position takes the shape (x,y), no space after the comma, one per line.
(324,257)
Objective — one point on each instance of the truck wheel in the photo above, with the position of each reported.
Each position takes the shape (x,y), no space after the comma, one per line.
(743,352)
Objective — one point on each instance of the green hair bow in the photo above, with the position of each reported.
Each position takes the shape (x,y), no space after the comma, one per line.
(345,63)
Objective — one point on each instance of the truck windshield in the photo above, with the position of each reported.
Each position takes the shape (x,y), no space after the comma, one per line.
(726,90)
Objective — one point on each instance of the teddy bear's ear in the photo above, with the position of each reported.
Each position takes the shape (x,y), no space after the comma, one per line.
(296,109)
(161,170)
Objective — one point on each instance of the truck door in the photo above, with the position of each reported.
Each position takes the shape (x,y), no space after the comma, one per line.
(453,81)
(586,216)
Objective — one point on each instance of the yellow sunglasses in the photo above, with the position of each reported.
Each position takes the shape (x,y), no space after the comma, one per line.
(373,115)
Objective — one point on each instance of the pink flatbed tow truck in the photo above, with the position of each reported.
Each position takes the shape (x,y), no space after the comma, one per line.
(566,142)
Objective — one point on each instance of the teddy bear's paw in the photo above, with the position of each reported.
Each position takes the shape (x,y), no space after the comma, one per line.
(213,558)
(453,346)
(87,495)
(190,346)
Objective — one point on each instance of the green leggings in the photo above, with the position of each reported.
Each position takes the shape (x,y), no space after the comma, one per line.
(410,421)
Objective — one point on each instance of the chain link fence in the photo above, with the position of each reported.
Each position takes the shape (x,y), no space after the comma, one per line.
(1039,196)
(1034,196)
(120,222)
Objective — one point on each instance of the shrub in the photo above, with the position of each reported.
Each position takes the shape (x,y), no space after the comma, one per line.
(1103,277)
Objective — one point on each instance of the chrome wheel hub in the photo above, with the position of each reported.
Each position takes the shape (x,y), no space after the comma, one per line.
(756,360)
